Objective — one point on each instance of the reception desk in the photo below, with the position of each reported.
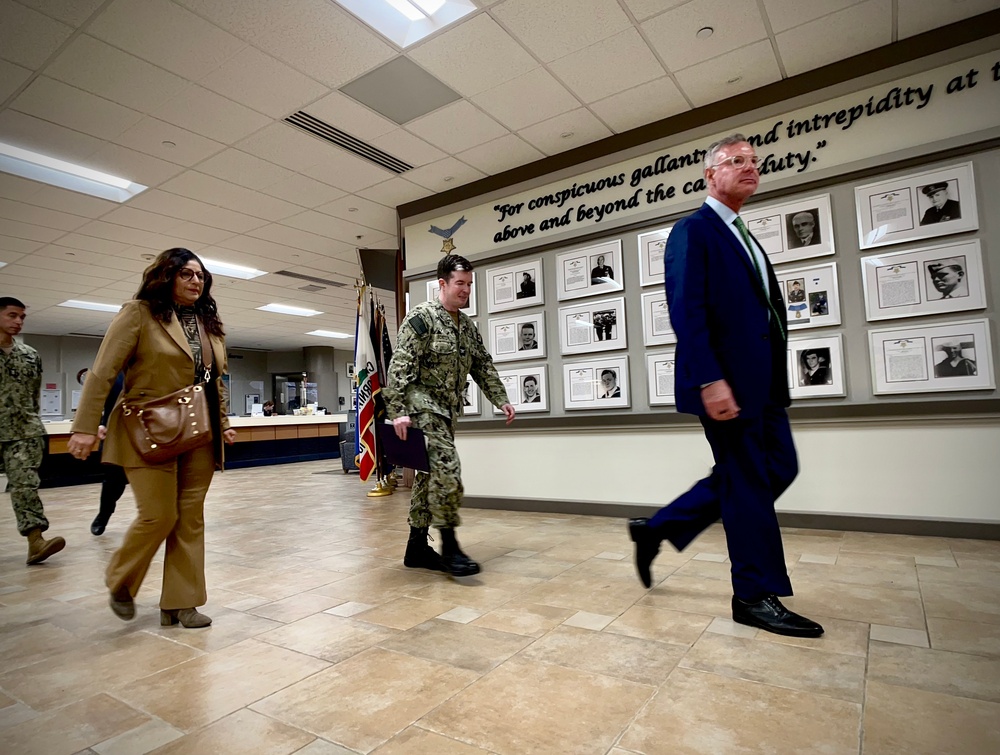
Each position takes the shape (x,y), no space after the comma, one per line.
(259,441)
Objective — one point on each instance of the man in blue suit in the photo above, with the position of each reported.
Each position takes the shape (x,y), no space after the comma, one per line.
(726,308)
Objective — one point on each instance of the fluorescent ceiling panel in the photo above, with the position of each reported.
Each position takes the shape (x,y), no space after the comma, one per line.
(215,267)
(406,22)
(92,305)
(329,334)
(66,175)
(284,309)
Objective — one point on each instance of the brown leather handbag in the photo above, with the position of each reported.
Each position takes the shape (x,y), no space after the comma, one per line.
(161,429)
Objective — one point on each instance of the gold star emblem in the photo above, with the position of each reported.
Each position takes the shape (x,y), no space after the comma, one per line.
(448,246)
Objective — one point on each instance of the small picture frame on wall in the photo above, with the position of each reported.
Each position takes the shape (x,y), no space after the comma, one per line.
(955,356)
(660,374)
(812,299)
(433,289)
(521,337)
(470,397)
(656,327)
(514,286)
(596,384)
(527,389)
(589,270)
(917,206)
(816,367)
(652,249)
(592,327)
(928,281)
(792,231)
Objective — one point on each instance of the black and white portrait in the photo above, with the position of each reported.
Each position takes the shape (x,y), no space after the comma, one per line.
(604,324)
(946,278)
(814,367)
(941,201)
(529,390)
(528,336)
(819,304)
(609,387)
(802,228)
(955,356)
(526,285)
(600,272)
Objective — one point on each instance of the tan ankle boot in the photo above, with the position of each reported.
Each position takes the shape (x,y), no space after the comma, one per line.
(188,617)
(40,549)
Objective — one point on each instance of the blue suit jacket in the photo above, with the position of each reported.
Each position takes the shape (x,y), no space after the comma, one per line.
(719,312)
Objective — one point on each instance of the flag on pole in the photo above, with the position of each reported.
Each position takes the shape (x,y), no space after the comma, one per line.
(366,375)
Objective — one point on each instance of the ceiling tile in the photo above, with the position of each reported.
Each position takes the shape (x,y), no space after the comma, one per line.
(555,28)
(394,192)
(332,227)
(407,147)
(72,12)
(835,37)
(92,244)
(283,234)
(184,208)
(580,125)
(444,174)
(787,14)
(182,147)
(263,83)
(710,81)
(644,104)
(498,56)
(28,231)
(360,210)
(643,9)
(500,154)
(596,72)
(135,166)
(314,36)
(532,97)
(165,34)
(916,16)
(124,235)
(303,191)
(99,68)
(244,169)
(262,250)
(202,234)
(456,127)
(135,218)
(212,190)
(208,114)
(737,23)
(32,133)
(72,201)
(349,115)
(11,78)
(27,37)
(342,169)
(15,187)
(27,213)
(60,103)
(285,145)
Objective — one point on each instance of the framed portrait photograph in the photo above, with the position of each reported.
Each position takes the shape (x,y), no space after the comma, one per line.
(596,384)
(527,389)
(954,356)
(928,281)
(589,270)
(816,367)
(470,397)
(796,230)
(470,309)
(652,248)
(660,377)
(812,299)
(917,206)
(514,286)
(591,327)
(656,327)
(521,337)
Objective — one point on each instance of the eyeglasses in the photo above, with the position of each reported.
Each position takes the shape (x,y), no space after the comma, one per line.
(186,274)
(740,161)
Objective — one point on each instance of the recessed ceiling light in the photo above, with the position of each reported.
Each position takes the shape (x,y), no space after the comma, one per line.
(215,267)
(284,309)
(329,334)
(92,305)
(147,257)
(406,22)
(66,175)
(704,32)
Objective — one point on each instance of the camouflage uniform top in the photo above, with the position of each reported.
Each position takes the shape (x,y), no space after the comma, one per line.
(432,359)
(20,389)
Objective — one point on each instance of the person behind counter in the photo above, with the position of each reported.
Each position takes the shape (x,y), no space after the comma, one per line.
(268,408)
(167,338)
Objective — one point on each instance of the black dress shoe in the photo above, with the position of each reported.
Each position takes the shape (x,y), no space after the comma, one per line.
(768,614)
(98,525)
(647,545)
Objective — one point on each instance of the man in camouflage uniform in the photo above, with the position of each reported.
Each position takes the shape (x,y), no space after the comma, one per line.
(22,436)
(438,347)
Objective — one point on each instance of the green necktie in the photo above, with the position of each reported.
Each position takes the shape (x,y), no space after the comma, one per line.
(742,228)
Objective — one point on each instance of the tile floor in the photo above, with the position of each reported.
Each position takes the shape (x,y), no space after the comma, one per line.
(324,644)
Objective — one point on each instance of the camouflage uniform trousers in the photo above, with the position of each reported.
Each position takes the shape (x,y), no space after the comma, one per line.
(21,460)
(437,495)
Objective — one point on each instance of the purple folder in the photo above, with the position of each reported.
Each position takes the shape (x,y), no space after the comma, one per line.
(411,453)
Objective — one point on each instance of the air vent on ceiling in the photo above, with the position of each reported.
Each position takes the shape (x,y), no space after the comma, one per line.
(313,125)
(312,289)
(86,335)
(310,278)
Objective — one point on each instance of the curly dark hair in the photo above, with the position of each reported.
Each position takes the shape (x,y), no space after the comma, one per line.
(157,288)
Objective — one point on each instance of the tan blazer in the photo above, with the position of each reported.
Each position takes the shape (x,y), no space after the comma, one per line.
(157,360)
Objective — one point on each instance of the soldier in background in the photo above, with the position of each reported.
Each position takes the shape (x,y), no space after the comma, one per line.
(22,436)
(438,347)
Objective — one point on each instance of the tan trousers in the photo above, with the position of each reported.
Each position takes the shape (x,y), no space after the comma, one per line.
(170,502)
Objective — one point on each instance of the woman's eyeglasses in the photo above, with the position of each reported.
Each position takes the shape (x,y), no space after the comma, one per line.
(186,274)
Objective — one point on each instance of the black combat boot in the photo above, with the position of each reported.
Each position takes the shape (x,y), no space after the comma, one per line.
(453,560)
(419,555)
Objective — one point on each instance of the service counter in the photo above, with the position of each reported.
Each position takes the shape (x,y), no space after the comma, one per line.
(259,441)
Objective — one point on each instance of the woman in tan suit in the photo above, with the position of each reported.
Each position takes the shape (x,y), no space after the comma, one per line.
(155,341)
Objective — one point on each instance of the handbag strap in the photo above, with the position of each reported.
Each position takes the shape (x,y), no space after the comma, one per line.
(207,357)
